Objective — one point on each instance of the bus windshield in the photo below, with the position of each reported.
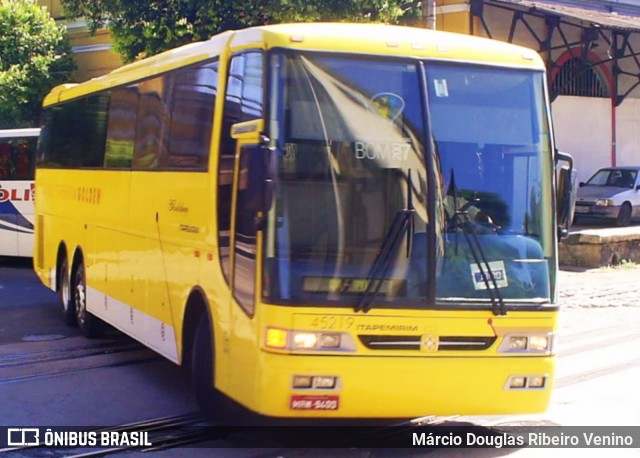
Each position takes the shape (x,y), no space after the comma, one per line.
(350,136)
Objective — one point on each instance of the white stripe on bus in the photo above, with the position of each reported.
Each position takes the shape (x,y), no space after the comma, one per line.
(143,327)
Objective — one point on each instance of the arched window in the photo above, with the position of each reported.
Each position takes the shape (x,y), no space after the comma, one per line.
(580,78)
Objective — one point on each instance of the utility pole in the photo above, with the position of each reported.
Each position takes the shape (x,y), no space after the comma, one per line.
(429,14)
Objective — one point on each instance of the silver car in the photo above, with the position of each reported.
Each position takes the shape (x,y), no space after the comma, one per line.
(611,193)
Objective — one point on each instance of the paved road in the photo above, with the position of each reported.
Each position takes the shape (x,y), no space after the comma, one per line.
(598,370)
(604,287)
(27,307)
(51,375)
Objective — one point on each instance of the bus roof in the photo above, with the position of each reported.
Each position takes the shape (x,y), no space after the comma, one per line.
(382,39)
(13,133)
(364,39)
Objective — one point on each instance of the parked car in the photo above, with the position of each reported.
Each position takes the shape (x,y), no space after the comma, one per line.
(611,193)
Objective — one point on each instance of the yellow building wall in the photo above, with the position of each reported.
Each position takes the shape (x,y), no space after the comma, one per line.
(93,53)
(53,6)
(453,16)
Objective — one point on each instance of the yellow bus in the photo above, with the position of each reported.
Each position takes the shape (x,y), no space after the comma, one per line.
(319,220)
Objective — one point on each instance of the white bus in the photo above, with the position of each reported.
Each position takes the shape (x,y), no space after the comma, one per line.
(17,168)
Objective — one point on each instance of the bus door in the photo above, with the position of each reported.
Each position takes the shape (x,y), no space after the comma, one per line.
(242,126)
(249,198)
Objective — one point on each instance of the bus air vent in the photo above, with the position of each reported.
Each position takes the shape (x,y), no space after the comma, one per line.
(446,343)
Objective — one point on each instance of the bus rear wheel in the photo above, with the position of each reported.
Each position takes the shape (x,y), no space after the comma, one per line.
(208,398)
(64,292)
(90,325)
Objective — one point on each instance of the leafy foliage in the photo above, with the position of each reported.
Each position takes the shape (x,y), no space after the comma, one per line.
(34,57)
(147,27)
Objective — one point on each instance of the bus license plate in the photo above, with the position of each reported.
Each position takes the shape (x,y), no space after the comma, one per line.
(309,402)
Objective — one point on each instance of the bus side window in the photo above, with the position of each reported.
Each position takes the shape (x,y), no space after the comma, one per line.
(192,103)
(23,163)
(76,133)
(151,122)
(5,160)
(121,129)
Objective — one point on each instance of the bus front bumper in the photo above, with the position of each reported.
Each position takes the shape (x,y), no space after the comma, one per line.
(402,387)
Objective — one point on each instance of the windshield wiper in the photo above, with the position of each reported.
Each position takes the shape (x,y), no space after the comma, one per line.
(462,220)
(401,228)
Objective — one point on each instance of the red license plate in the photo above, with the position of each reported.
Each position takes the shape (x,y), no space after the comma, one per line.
(311,402)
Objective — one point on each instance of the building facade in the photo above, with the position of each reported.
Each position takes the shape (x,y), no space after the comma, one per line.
(93,52)
(592,52)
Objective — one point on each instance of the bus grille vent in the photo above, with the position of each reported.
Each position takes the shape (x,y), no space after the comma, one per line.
(446,343)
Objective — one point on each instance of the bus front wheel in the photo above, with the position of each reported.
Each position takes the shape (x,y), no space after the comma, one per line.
(202,365)
(90,325)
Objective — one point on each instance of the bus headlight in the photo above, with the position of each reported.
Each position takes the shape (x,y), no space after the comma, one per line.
(526,382)
(284,339)
(304,340)
(329,340)
(517,343)
(517,381)
(316,382)
(539,343)
(326,382)
(302,381)
(528,343)
(537,381)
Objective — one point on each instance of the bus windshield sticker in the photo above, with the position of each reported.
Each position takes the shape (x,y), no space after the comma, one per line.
(388,105)
(497,269)
(441,88)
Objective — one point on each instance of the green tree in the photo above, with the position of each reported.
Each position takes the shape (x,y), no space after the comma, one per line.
(34,57)
(147,27)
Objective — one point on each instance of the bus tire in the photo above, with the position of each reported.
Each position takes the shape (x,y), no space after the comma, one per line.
(64,294)
(202,366)
(91,326)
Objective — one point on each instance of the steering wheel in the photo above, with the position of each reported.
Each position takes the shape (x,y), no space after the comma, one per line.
(481,221)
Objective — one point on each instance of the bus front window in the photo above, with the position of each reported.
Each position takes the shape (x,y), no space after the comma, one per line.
(490,129)
(348,132)
(349,212)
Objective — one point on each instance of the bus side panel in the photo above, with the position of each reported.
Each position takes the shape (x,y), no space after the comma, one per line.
(245,359)
(166,246)
(218,297)
(8,234)
(17,161)
(22,200)
(52,207)
(83,210)
(16,218)
(105,273)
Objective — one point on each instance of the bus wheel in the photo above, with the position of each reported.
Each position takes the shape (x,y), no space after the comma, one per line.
(64,291)
(91,326)
(207,396)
